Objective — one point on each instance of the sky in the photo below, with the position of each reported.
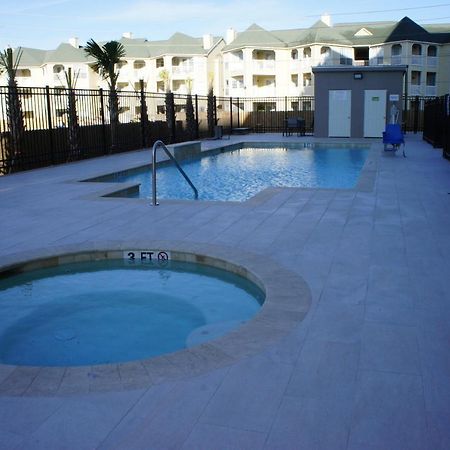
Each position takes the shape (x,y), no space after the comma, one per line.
(45,24)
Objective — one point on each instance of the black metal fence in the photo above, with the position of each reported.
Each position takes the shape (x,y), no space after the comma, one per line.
(53,130)
(437,123)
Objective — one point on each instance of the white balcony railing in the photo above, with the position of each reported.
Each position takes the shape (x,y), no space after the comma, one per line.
(182,69)
(236,66)
(415,89)
(416,60)
(264,64)
(264,91)
(396,60)
(431,91)
(432,61)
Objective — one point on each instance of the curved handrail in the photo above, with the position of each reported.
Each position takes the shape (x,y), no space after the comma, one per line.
(160,144)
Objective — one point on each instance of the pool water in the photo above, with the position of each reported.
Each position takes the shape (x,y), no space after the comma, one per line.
(110,311)
(239,174)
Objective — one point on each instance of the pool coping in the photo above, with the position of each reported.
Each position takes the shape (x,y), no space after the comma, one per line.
(287,302)
(365,182)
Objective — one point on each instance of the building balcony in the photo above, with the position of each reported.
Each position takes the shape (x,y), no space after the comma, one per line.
(235,67)
(264,91)
(432,61)
(415,89)
(431,91)
(236,92)
(397,60)
(295,65)
(182,70)
(417,60)
(264,66)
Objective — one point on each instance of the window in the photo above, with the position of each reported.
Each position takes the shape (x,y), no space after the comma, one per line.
(58,68)
(121,85)
(294,106)
(431,78)
(307,52)
(122,63)
(160,109)
(306,79)
(415,78)
(432,50)
(137,86)
(23,73)
(396,50)
(325,50)
(294,80)
(417,49)
(160,62)
(294,54)
(139,64)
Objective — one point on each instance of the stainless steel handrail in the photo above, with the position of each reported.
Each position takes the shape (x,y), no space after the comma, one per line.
(161,144)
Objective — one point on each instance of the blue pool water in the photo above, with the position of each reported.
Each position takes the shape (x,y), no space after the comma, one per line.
(241,173)
(105,312)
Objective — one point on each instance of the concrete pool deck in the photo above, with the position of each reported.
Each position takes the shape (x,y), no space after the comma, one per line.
(367,367)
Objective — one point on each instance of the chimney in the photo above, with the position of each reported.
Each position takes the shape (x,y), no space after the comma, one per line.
(73,41)
(207,41)
(128,35)
(230,36)
(326,19)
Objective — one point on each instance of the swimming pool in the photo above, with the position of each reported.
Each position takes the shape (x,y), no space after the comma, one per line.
(238,172)
(108,311)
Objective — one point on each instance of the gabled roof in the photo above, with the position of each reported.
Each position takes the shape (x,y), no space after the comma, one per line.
(65,53)
(407,30)
(255,36)
(30,56)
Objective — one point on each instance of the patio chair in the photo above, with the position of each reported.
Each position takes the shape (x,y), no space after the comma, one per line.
(294,123)
(393,136)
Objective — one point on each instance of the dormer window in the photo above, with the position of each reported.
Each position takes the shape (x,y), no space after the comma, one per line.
(139,64)
(363,32)
(58,68)
(23,73)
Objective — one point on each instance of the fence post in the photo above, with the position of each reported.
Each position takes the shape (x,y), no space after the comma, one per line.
(50,127)
(197,133)
(416,114)
(231,114)
(143,112)
(102,114)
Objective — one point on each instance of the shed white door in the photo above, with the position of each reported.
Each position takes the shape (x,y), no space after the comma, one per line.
(374,113)
(339,113)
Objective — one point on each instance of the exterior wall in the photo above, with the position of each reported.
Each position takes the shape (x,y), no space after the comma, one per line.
(337,78)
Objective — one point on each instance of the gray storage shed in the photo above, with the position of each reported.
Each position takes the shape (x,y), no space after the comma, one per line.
(357,101)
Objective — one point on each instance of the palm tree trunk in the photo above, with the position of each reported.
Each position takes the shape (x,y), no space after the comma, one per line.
(15,123)
(73,127)
(114,117)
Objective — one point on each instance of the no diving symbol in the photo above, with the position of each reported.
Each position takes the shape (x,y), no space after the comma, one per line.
(163,256)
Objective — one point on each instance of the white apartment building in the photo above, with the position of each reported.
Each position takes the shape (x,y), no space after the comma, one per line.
(256,62)
(261,63)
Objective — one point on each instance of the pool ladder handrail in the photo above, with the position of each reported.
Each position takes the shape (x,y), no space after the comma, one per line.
(160,144)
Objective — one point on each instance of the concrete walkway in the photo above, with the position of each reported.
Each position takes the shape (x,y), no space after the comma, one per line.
(367,368)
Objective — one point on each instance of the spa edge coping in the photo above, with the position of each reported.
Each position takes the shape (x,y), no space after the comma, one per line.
(287,302)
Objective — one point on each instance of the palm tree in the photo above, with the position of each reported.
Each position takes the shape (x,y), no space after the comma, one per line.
(106,59)
(14,113)
(164,76)
(72,116)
